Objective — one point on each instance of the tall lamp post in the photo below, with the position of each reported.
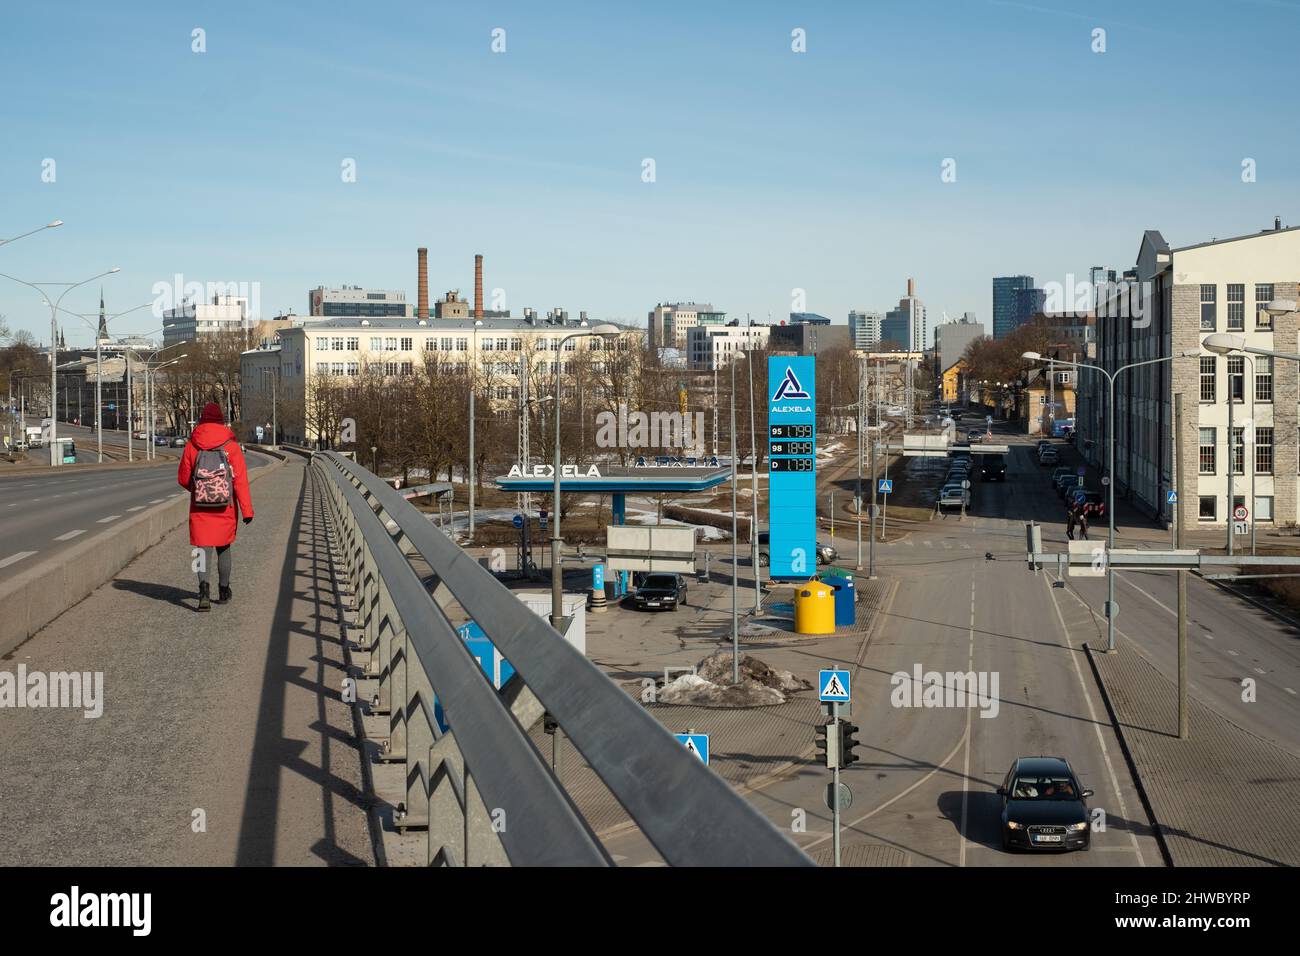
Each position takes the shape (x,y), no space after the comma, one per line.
(32,232)
(1110,467)
(605,331)
(55,457)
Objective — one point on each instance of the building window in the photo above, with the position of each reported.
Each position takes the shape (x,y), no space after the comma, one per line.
(516,345)
(1264,378)
(336,344)
(322,368)
(1238,451)
(407,344)
(430,345)
(390,343)
(445,343)
(571,345)
(1207,378)
(1236,306)
(1263,296)
(1209,503)
(354,344)
(1209,313)
(1263,451)
(1208,445)
(502,392)
(390,368)
(1264,508)
(1236,378)
(376,343)
(336,368)
(352,368)
(408,368)
(503,345)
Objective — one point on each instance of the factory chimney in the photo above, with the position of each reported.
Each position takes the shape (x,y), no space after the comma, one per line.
(911,288)
(422,300)
(478,288)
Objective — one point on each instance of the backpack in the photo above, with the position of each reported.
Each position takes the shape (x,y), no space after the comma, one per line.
(210,486)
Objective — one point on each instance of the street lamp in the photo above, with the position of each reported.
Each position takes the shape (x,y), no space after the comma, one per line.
(48,225)
(54,343)
(1110,466)
(605,331)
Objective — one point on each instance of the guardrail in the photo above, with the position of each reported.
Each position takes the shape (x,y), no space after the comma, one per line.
(483,789)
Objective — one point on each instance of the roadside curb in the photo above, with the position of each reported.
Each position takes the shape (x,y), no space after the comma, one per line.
(1272,612)
(42,592)
(1156,826)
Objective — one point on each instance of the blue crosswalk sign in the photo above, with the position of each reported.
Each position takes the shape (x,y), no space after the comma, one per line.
(1171,497)
(886,485)
(697,744)
(834,685)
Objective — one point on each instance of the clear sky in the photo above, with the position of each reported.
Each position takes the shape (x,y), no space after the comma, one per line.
(774,170)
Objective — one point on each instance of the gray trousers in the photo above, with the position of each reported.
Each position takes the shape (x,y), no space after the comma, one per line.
(223,565)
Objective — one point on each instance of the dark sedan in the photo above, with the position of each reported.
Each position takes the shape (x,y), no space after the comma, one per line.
(661,592)
(1043,806)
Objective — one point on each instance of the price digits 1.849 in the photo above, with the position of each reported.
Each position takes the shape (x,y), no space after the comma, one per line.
(791,448)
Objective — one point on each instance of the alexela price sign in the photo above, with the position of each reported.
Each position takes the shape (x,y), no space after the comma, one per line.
(792,466)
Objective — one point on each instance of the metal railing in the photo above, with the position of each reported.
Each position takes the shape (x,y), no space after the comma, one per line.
(483,789)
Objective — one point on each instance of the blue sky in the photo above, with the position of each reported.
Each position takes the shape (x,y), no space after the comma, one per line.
(775,170)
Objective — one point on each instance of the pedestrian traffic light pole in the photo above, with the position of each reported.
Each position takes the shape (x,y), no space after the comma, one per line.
(835,785)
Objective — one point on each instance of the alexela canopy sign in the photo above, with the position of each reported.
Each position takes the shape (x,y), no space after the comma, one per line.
(548,471)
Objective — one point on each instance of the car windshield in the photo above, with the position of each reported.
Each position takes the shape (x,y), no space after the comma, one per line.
(1044,787)
(660,582)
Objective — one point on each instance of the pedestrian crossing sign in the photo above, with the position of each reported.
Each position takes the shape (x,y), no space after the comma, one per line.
(834,685)
(1171,497)
(697,744)
(886,486)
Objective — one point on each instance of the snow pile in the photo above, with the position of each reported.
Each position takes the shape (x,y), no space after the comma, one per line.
(760,685)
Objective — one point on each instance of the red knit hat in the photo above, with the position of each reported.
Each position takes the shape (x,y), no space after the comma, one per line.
(212,413)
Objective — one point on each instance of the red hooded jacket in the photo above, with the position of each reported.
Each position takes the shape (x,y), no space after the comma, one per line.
(213,527)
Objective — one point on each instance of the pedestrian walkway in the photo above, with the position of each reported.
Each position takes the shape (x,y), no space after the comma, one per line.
(1215,796)
(223,738)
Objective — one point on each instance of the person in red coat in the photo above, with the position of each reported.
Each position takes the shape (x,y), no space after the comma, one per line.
(214,527)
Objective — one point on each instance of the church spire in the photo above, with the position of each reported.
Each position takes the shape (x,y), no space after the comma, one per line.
(103,320)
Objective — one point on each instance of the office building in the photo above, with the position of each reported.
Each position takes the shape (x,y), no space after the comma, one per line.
(351,300)
(669,323)
(711,347)
(864,329)
(951,339)
(191,321)
(904,328)
(1004,302)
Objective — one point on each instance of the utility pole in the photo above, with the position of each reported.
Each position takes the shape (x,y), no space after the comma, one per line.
(1182,575)
(735,531)
(858,487)
(753,472)
(1232,459)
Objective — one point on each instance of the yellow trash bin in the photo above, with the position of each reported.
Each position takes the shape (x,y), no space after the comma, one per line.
(814,608)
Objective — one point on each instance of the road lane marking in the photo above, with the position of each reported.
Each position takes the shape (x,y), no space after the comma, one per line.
(137,508)
(1260,670)
(1092,715)
(1155,599)
(70,535)
(15,558)
(108,519)
(156,501)
(965,772)
(1289,691)
(1233,653)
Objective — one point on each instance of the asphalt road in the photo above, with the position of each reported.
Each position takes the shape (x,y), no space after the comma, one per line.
(115,444)
(43,512)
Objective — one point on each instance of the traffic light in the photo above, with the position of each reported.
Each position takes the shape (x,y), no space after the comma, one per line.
(828,744)
(846,743)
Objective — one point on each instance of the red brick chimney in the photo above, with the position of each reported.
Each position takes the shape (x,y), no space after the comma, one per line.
(911,287)
(478,288)
(422,294)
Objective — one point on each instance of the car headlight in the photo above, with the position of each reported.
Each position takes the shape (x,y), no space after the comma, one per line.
(1078,827)
(1012,825)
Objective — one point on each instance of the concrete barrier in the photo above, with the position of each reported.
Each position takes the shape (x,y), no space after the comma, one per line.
(43,591)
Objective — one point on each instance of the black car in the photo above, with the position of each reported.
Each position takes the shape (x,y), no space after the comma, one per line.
(1043,806)
(992,467)
(661,592)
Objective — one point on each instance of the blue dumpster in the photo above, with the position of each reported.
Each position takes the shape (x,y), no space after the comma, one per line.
(846,613)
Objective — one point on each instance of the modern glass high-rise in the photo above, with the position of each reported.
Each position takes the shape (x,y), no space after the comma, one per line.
(1004,302)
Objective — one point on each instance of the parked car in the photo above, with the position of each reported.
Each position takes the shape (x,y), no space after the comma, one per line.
(139,435)
(974,435)
(1049,456)
(825,553)
(1043,806)
(179,441)
(161,440)
(661,592)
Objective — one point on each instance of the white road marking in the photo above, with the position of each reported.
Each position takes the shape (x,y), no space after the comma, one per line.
(1289,691)
(1154,599)
(15,558)
(1260,670)
(965,773)
(947,546)
(70,535)
(1092,715)
(1234,653)
(157,501)
(136,508)
(108,519)
(929,543)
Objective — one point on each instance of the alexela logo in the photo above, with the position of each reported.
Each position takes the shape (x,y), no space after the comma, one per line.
(103,909)
(789,387)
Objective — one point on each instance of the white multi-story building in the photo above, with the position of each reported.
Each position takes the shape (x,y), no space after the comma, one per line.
(192,320)
(864,329)
(337,351)
(951,339)
(711,347)
(670,323)
(1185,294)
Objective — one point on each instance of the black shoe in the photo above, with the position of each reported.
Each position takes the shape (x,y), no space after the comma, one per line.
(204,603)
(223,594)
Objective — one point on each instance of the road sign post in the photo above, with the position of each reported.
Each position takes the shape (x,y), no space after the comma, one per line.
(835,687)
(698,744)
(886,488)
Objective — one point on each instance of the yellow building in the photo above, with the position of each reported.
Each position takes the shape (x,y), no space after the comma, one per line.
(952,379)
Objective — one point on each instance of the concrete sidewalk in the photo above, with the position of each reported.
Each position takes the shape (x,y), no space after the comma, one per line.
(1215,796)
(223,738)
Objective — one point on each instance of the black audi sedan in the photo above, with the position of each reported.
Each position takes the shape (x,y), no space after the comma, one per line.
(1043,806)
